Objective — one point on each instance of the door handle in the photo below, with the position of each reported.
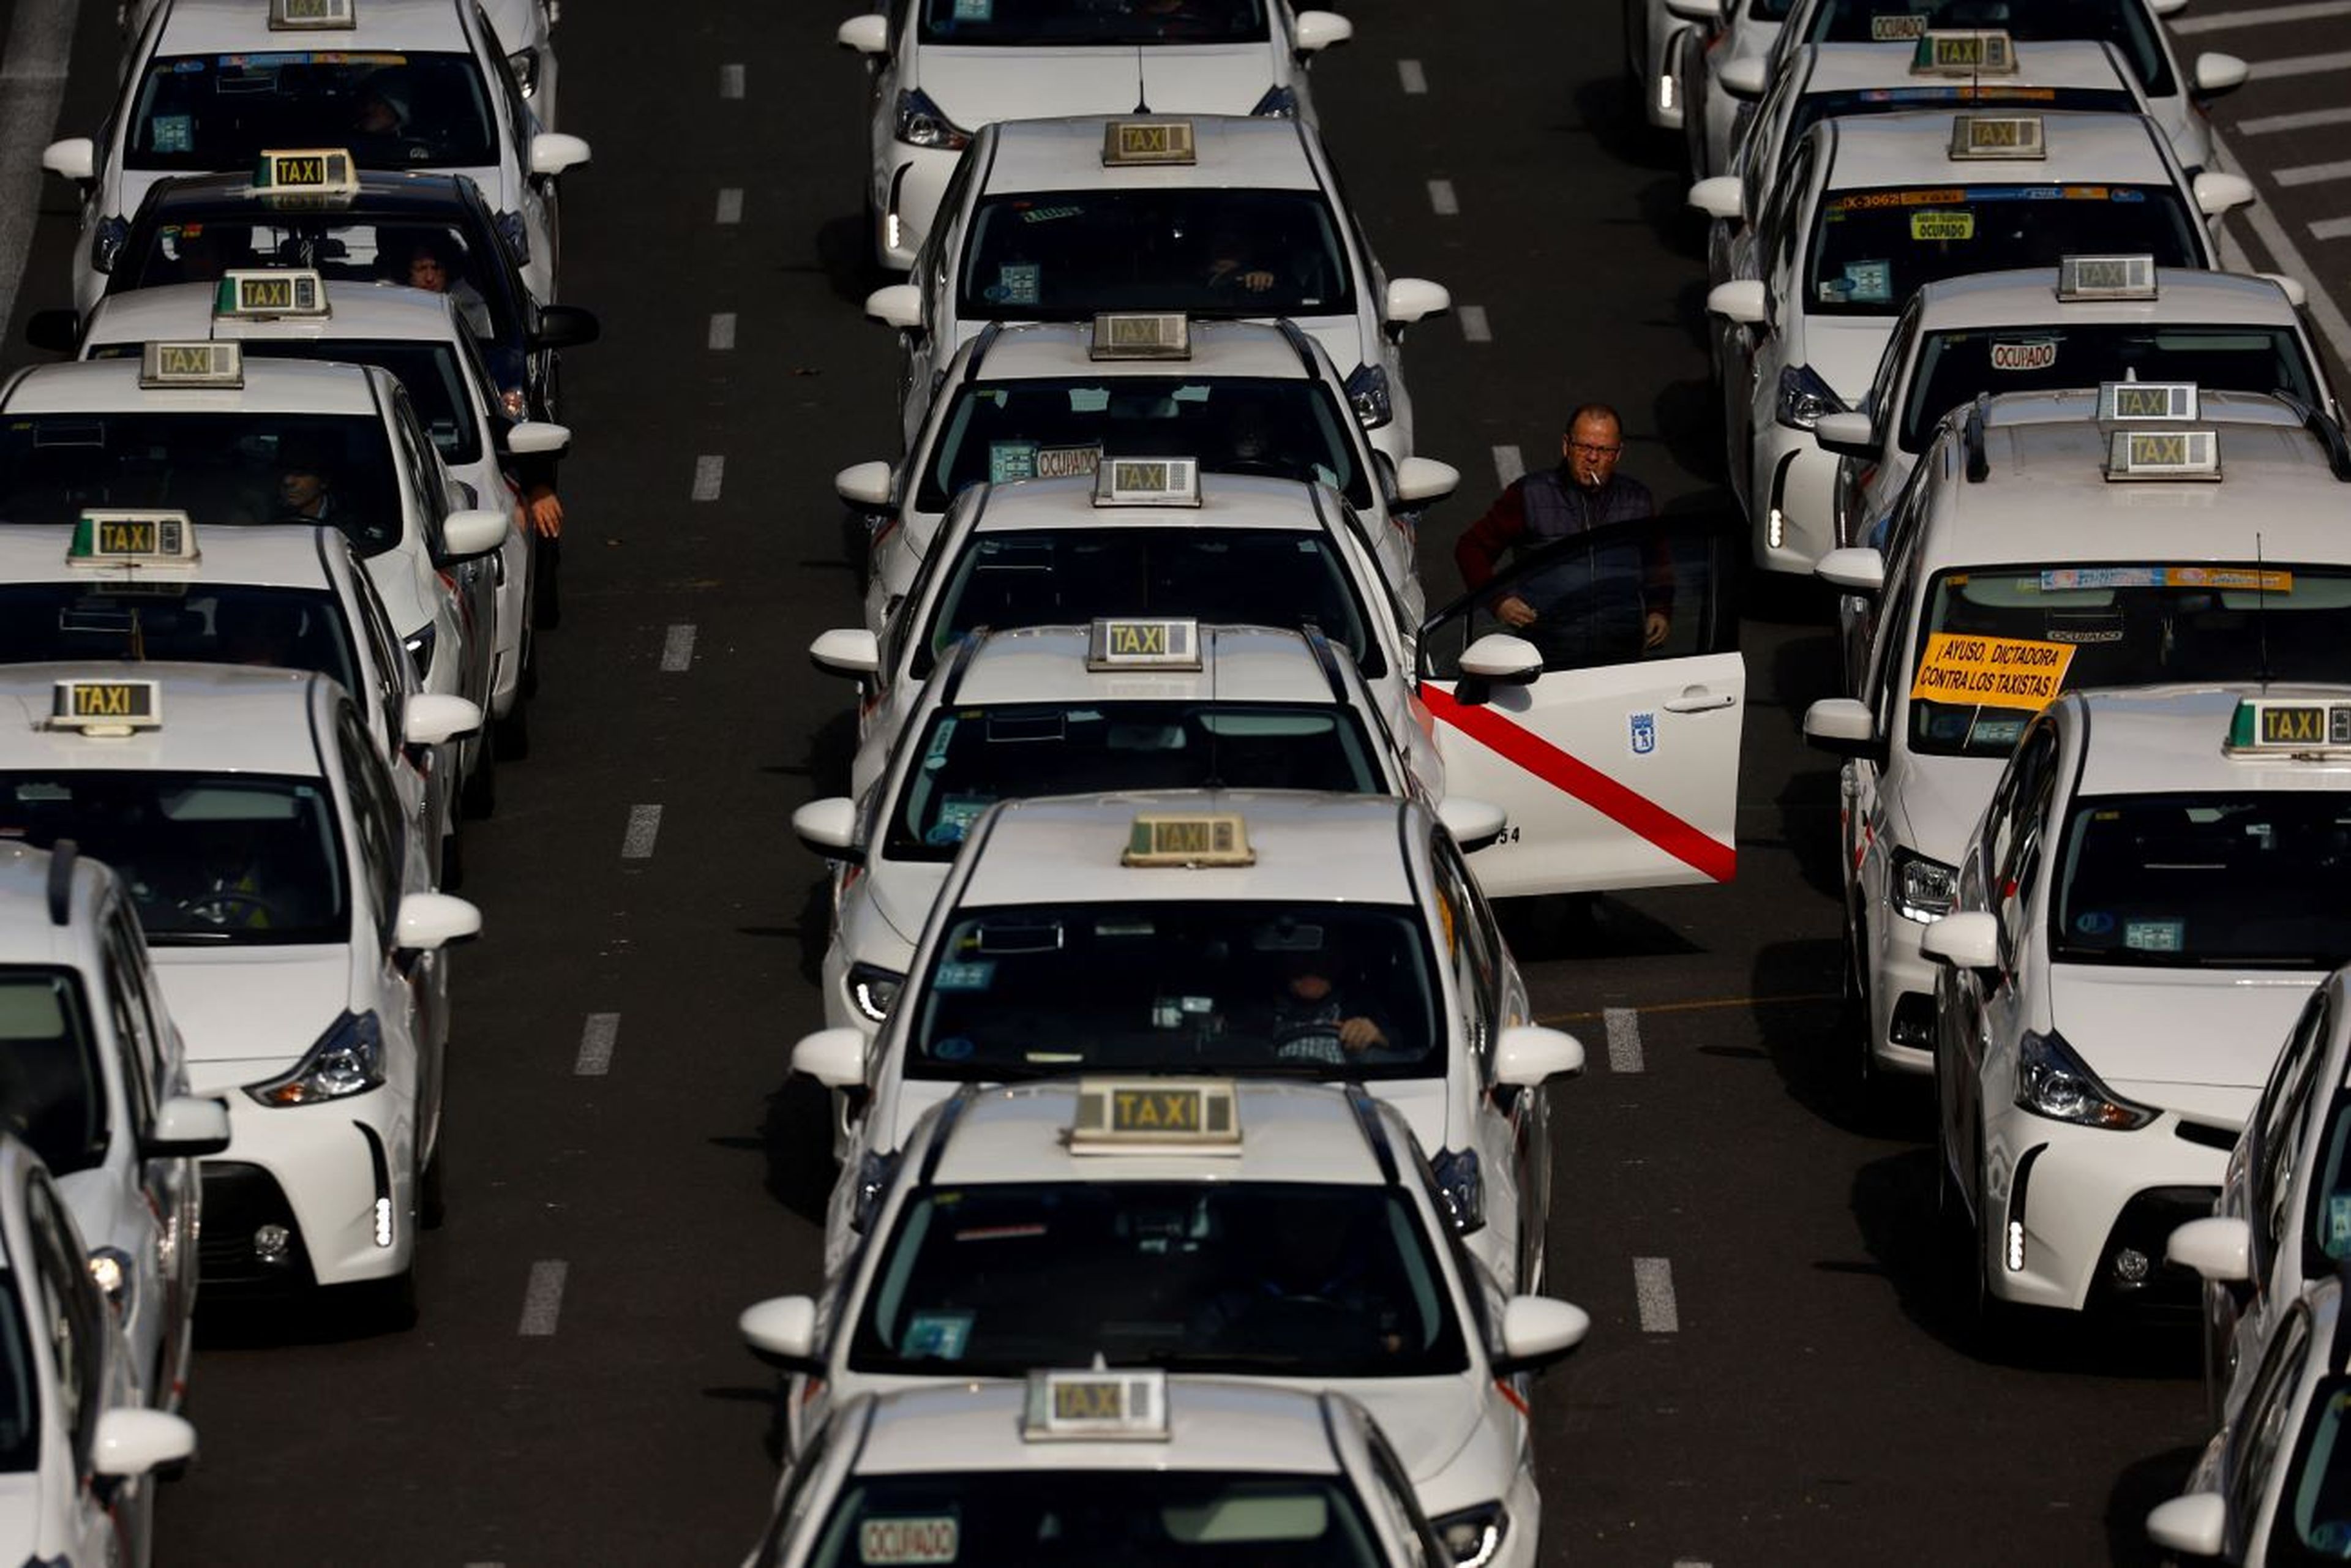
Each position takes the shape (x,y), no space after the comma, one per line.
(1698,699)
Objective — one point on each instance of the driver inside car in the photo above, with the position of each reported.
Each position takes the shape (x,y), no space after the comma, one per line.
(1315,1020)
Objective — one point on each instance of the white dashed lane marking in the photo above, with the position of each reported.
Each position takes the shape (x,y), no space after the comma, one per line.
(2308,120)
(542,1299)
(644,826)
(1415,79)
(1624,1025)
(596,1042)
(722,330)
(730,205)
(1653,1292)
(730,81)
(709,474)
(1508,467)
(2302,66)
(2266,16)
(677,649)
(1442,199)
(1474,326)
(2311,174)
(2330,228)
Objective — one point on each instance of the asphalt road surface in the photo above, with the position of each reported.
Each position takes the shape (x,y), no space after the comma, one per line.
(1775,1373)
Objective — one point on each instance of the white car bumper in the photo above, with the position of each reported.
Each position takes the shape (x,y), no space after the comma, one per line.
(1897,970)
(1792,499)
(908,181)
(2061,1205)
(320,1172)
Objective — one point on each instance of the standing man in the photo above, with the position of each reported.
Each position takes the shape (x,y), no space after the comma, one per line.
(1583,492)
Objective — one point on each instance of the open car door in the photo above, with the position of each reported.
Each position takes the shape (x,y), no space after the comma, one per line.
(1618,764)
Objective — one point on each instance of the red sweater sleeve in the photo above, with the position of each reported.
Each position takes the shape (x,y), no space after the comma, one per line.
(1479,550)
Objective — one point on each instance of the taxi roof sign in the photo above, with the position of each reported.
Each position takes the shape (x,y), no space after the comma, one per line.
(107,706)
(2289,726)
(1964,52)
(1147,482)
(1129,143)
(1978,137)
(132,538)
(263,295)
(1188,839)
(298,15)
(2193,455)
(1156,1115)
(1141,335)
(306,171)
(192,365)
(1137,642)
(2128,401)
(1129,1403)
(2106,277)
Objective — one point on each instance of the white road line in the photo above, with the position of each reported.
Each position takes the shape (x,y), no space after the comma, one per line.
(677,649)
(1691,1563)
(730,205)
(1441,197)
(2308,120)
(709,474)
(2323,311)
(596,1042)
(1474,326)
(2311,174)
(32,86)
(542,1299)
(2330,228)
(2228,22)
(644,825)
(2302,66)
(1623,1027)
(730,81)
(722,330)
(1508,467)
(1653,1289)
(1415,79)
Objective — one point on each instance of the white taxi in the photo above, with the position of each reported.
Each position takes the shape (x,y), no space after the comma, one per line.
(193,427)
(940,68)
(1871,208)
(1737,42)
(2149,902)
(295,88)
(1129,1460)
(422,338)
(2040,548)
(96,1083)
(78,1449)
(1059,220)
(1273,1232)
(285,894)
(1045,400)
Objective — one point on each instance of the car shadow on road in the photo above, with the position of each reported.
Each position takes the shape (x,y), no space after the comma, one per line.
(2136,1493)
(797,1134)
(1584,925)
(843,251)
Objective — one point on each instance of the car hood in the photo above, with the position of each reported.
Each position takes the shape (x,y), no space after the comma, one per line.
(973,87)
(1457,1459)
(213,995)
(1843,351)
(1941,798)
(901,894)
(2201,1041)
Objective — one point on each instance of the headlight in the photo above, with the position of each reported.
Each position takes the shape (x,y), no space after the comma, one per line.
(1923,888)
(1462,1185)
(1367,390)
(872,1180)
(420,650)
(874,989)
(1278,103)
(1804,397)
(105,242)
(346,1060)
(2052,1081)
(110,1267)
(1474,1535)
(921,124)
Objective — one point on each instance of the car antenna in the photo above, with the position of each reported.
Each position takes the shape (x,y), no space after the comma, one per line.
(2262,608)
(1142,93)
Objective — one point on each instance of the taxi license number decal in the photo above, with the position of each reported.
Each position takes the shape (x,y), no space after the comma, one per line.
(1896,29)
(928,1540)
(1942,225)
(1154,1111)
(2243,577)
(2037,355)
(1994,672)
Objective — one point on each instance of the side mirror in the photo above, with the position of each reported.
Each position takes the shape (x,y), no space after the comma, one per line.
(133,1442)
(1746,80)
(58,331)
(833,1057)
(552,151)
(865,485)
(1722,197)
(565,326)
(1538,1330)
(1527,1054)
(1848,435)
(436,719)
(1419,479)
(1742,300)
(2219,1247)
(537,437)
(866,35)
(1316,30)
(2196,1525)
(1502,659)
(75,158)
(186,1128)
(2217,194)
(828,827)
(849,651)
(1856,569)
(431,921)
(1843,726)
(1410,300)
(782,1333)
(473,532)
(2217,74)
(1474,824)
(1964,939)
(898,305)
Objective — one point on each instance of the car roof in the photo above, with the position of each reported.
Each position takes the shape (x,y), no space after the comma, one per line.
(1310,847)
(272,555)
(1238,664)
(1914,150)
(1289,1132)
(1227,501)
(271,386)
(355,311)
(1212,1425)
(206,26)
(381,193)
(227,719)
(2027,297)
(1039,349)
(1857,67)
(2161,739)
(1254,152)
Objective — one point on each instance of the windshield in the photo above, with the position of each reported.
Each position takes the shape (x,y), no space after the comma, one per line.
(209,858)
(1014,22)
(52,1087)
(2313,1516)
(2222,881)
(1134,1517)
(1187,984)
(2326,1243)
(1872,249)
(429,372)
(1261,1279)
(1954,367)
(204,623)
(2122,23)
(1292,429)
(1813,108)
(1066,255)
(233,468)
(204,113)
(973,758)
(1234,577)
(1998,644)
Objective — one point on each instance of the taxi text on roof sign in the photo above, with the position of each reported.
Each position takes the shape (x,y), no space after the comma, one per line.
(261,294)
(294,15)
(2193,454)
(1136,643)
(310,171)
(1964,54)
(2288,726)
(192,365)
(1129,1403)
(1188,839)
(133,538)
(2127,401)
(1981,136)
(1156,1115)
(1138,335)
(1147,482)
(1133,141)
(2106,277)
(106,706)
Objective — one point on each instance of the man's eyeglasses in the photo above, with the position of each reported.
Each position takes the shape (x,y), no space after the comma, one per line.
(1589,450)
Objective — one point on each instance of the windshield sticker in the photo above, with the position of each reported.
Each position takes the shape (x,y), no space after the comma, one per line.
(2154,936)
(935,755)
(1926,226)
(1011,460)
(910,1540)
(1170,1012)
(940,1334)
(1863,282)
(1998,672)
(2037,354)
(1958,92)
(1046,215)
(1897,28)
(975,10)
(173,133)
(2095,923)
(1066,462)
(2338,1224)
(1998,732)
(972,975)
(1015,283)
(956,814)
(2060,579)
(1868,201)
(954,1047)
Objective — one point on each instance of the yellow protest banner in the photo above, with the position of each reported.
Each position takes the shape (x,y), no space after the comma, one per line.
(1991,671)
